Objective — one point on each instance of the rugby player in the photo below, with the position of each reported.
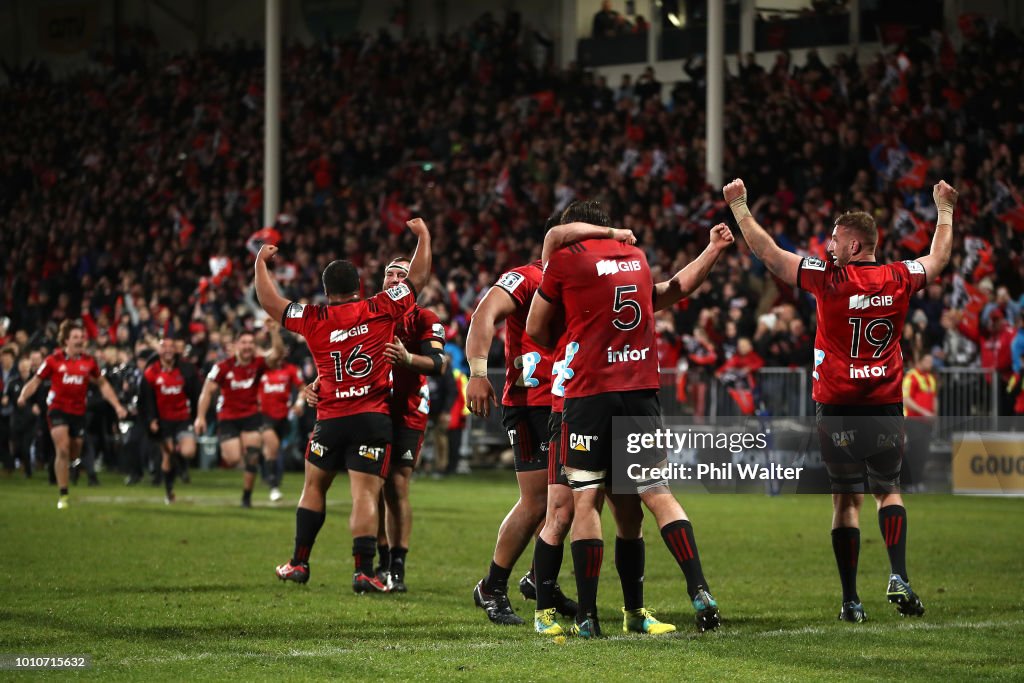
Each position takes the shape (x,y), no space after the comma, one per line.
(238,411)
(168,390)
(858,374)
(70,371)
(347,338)
(275,396)
(526,408)
(607,294)
(629,553)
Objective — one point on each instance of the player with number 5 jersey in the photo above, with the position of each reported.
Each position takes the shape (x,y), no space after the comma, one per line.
(858,375)
(347,338)
(526,406)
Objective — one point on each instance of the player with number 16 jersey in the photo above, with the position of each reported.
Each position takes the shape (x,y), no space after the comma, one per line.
(345,339)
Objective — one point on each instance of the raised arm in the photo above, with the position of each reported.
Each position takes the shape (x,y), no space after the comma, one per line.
(570,233)
(693,274)
(422,259)
(782,264)
(942,241)
(266,291)
(496,305)
(277,349)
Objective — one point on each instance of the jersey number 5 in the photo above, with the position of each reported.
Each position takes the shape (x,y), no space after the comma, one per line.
(357,366)
(622,304)
(877,332)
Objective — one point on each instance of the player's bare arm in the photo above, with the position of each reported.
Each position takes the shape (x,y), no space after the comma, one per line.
(277,349)
(107,392)
(266,290)
(782,264)
(400,356)
(937,259)
(28,390)
(692,275)
(570,233)
(539,321)
(205,396)
(422,259)
(493,308)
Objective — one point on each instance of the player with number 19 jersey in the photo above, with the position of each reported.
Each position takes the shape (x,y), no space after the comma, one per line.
(347,343)
(861,311)
(527,365)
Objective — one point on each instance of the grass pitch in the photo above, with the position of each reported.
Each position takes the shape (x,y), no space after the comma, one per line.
(181,593)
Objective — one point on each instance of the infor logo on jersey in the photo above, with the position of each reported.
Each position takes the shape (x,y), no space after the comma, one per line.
(608,267)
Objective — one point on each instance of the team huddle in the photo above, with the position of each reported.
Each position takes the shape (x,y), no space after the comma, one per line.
(580,351)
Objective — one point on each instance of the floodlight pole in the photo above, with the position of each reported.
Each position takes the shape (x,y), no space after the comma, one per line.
(715,93)
(272,116)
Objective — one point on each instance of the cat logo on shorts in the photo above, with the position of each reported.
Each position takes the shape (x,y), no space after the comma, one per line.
(316,448)
(373,453)
(581,442)
(844,439)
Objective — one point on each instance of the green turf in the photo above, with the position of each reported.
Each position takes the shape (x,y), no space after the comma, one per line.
(157,593)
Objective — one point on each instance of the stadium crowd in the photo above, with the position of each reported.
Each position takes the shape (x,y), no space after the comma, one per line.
(131,192)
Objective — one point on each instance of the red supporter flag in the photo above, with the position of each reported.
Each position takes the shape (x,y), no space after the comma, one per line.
(394,215)
(978,261)
(911,231)
(910,172)
(971,301)
(1007,207)
(261,237)
(220,268)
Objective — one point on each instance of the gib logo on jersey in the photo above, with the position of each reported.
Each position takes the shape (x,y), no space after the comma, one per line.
(338,336)
(867,371)
(373,453)
(627,355)
(354,392)
(581,442)
(608,267)
(74,379)
(859,302)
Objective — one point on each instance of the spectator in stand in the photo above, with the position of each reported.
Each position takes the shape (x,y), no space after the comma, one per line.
(996,340)
(920,402)
(607,22)
(739,376)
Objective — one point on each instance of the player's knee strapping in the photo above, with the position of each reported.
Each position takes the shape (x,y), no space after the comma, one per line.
(581,480)
(252,458)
